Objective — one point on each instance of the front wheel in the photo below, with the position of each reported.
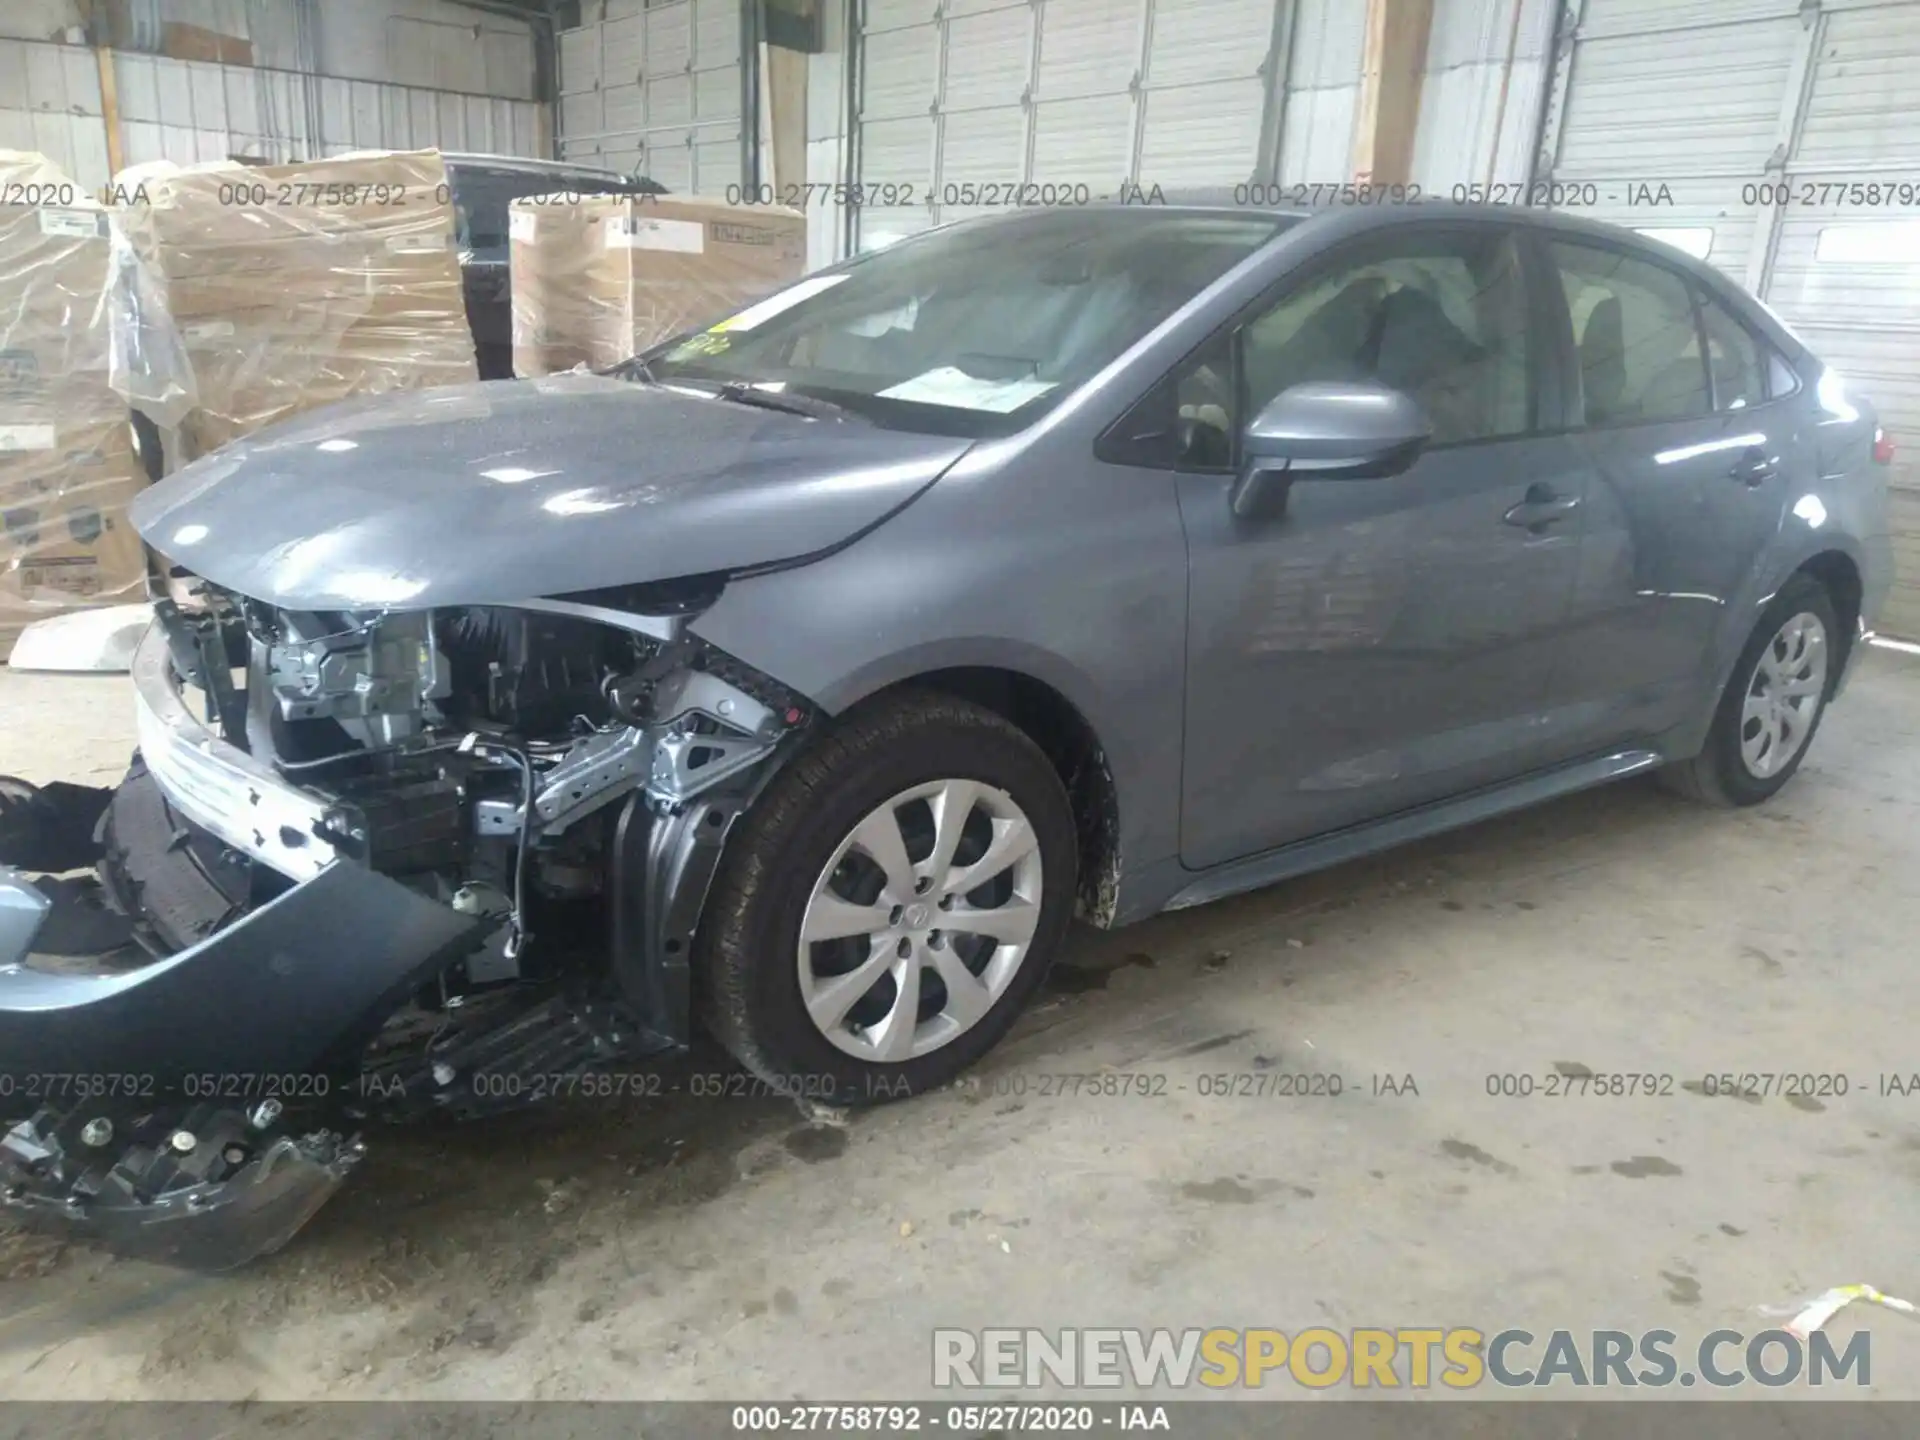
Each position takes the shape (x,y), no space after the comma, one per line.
(1772,706)
(890,903)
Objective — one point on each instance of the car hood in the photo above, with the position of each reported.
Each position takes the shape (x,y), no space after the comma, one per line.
(512,490)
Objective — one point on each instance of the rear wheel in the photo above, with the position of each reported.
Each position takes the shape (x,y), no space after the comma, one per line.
(1772,706)
(891,902)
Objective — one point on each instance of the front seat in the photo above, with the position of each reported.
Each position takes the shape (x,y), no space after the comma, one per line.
(1603,361)
(1417,349)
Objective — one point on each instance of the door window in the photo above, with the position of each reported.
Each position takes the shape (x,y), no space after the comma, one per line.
(1442,318)
(1634,335)
(1739,369)
(1439,316)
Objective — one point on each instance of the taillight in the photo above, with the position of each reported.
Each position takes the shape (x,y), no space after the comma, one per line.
(1882,447)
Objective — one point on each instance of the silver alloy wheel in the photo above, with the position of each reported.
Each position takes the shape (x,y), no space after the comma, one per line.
(1784,696)
(922,919)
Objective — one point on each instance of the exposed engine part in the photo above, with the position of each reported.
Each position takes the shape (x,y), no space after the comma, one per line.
(481,899)
(690,692)
(401,827)
(489,964)
(572,866)
(596,765)
(707,730)
(377,677)
(533,673)
(684,765)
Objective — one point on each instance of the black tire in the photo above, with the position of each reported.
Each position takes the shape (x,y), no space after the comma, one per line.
(746,965)
(1718,775)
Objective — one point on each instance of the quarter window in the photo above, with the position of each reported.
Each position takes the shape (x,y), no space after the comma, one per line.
(1739,369)
(1634,335)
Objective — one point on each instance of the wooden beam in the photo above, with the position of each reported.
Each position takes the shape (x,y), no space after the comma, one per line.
(787,109)
(1391,69)
(110,108)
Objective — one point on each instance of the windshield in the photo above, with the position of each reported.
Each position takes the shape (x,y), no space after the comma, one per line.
(974,330)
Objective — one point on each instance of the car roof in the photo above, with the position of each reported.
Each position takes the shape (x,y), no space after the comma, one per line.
(533,165)
(1365,219)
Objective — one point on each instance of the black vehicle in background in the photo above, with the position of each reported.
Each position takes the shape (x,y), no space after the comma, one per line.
(483,187)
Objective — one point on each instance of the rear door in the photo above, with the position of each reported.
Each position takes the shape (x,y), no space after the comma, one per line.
(1681,416)
(1382,643)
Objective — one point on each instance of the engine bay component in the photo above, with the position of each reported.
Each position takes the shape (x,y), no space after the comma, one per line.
(379,676)
(422,862)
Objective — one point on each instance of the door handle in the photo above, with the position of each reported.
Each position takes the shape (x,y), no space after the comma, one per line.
(1540,509)
(1754,467)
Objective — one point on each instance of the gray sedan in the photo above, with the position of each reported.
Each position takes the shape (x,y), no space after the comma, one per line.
(810,672)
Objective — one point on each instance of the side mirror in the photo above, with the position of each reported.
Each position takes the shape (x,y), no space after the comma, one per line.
(1326,430)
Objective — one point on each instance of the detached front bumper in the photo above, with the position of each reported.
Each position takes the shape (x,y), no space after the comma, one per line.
(106,1074)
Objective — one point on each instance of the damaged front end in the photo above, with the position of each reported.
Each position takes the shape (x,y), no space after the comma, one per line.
(367,865)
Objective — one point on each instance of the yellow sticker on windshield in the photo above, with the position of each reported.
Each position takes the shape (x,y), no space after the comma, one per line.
(711,343)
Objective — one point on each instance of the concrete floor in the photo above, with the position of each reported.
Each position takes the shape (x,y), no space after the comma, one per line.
(726,1248)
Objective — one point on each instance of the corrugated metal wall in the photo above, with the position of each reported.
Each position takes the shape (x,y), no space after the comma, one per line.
(50,102)
(656,86)
(1175,92)
(189,110)
(183,111)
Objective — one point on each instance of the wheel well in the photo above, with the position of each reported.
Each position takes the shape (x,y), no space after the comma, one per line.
(1053,723)
(1841,579)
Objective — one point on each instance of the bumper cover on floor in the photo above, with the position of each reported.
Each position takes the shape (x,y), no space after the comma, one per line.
(239,1191)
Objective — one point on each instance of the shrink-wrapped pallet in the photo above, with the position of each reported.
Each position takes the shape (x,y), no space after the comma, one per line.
(67,466)
(597,279)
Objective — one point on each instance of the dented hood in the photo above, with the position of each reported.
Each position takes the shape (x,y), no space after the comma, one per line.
(507,491)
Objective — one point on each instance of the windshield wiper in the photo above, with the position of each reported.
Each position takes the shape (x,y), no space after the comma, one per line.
(632,368)
(741,393)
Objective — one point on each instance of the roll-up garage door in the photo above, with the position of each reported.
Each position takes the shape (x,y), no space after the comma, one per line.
(961,103)
(655,88)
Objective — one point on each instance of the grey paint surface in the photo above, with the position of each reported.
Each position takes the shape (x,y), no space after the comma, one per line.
(501,491)
(1379,645)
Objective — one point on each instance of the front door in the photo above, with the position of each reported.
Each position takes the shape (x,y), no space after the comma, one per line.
(1382,643)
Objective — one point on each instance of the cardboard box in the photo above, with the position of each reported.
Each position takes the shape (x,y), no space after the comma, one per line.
(65,541)
(295,286)
(55,250)
(597,279)
(257,367)
(67,465)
